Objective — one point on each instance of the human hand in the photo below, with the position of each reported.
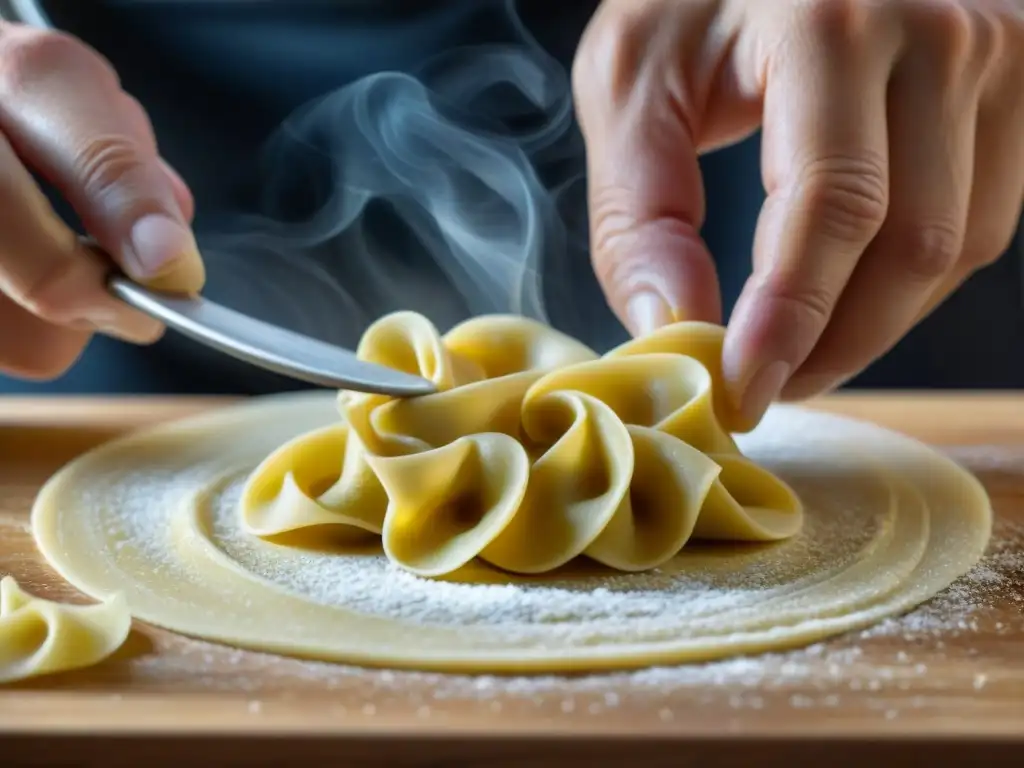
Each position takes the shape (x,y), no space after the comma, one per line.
(64,115)
(892,157)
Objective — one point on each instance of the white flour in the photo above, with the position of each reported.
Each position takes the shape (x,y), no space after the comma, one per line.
(891,657)
(665,596)
(892,654)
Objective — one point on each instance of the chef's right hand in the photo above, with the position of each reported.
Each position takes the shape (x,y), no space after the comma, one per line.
(63,115)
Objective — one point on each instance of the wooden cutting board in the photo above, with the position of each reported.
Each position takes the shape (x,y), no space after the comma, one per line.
(943,683)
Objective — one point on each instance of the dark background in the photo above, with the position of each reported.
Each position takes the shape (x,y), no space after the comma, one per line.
(219,77)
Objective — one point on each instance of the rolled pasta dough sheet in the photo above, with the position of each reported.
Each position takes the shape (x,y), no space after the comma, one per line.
(266,524)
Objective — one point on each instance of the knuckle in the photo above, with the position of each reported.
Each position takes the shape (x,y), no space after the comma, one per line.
(622,241)
(103,163)
(32,54)
(927,251)
(800,305)
(833,22)
(990,41)
(847,198)
(947,24)
(961,39)
(612,226)
(610,53)
(1011,33)
(628,251)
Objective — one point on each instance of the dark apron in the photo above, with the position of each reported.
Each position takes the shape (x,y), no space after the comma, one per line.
(220,79)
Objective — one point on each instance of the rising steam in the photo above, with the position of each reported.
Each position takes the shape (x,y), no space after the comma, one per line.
(454,191)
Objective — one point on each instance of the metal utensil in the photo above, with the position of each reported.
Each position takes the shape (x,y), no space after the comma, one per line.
(267,346)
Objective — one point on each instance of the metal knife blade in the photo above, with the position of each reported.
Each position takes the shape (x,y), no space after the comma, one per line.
(267,346)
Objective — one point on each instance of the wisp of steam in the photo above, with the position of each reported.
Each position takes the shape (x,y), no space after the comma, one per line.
(453,191)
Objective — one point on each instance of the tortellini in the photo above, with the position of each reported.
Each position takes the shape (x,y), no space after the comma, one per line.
(534,451)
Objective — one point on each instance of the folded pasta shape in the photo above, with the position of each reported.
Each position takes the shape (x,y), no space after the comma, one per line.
(534,451)
(39,637)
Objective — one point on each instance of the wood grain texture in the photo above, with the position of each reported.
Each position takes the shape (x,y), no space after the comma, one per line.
(949,684)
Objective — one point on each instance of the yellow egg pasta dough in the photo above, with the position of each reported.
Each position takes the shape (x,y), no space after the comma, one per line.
(42,637)
(548,509)
(534,452)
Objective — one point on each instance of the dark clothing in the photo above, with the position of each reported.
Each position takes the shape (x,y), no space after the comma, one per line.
(332,187)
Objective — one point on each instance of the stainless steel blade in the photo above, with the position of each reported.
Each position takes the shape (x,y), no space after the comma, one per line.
(267,346)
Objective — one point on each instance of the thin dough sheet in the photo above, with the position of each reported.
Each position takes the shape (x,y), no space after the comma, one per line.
(155,517)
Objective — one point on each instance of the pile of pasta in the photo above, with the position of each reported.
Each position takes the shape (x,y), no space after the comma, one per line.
(534,451)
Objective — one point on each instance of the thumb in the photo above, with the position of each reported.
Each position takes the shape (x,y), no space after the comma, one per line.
(131,206)
(646,206)
(94,143)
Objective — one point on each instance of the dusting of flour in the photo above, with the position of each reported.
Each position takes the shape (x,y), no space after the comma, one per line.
(690,586)
(893,655)
(894,652)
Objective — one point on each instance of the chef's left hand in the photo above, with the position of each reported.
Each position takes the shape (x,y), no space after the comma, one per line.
(893,159)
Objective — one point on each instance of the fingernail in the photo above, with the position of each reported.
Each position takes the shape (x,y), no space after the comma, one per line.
(158,242)
(646,312)
(763,389)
